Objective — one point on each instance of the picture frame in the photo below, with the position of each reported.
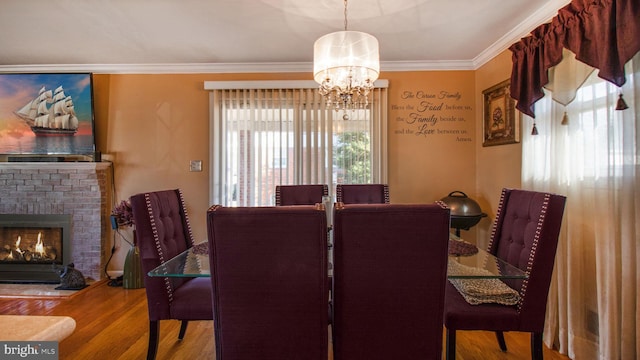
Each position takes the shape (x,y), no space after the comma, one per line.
(46,116)
(500,124)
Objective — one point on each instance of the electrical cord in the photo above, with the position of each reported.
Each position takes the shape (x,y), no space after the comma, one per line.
(124,238)
(117,281)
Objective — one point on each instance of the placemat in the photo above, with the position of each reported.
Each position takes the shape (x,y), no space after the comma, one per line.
(482,291)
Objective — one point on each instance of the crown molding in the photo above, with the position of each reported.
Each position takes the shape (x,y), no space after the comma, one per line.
(541,16)
(426,65)
(193,68)
(223,68)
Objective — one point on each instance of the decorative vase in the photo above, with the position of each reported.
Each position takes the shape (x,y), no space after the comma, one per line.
(133,277)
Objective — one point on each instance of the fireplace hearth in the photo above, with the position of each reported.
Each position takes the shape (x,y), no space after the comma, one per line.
(33,247)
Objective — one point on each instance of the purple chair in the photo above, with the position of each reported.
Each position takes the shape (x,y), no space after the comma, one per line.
(390,272)
(525,234)
(268,273)
(162,232)
(300,194)
(303,195)
(362,193)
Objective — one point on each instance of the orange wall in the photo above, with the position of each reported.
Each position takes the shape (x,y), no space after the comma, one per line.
(431,134)
(152,125)
(498,166)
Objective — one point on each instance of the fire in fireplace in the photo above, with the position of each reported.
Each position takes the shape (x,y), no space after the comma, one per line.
(32,246)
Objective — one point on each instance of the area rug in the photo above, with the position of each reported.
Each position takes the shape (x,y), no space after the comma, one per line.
(38,291)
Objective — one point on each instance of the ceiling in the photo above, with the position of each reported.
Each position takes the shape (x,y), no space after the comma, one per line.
(113,35)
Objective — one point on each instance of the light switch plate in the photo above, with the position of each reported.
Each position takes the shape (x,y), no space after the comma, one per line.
(195,165)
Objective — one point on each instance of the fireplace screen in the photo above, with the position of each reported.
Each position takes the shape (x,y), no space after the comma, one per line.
(42,245)
(33,247)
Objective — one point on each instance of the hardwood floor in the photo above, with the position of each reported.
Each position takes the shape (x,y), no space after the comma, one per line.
(112,323)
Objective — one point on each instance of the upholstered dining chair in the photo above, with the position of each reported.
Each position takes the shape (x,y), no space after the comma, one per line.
(389,276)
(268,273)
(163,231)
(525,234)
(362,193)
(308,194)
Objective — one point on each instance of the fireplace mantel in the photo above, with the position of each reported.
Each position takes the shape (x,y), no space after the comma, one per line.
(83,165)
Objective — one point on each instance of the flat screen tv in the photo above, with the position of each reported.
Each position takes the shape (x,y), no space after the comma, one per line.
(46,116)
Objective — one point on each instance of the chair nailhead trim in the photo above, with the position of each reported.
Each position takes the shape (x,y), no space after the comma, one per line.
(494,228)
(156,239)
(186,218)
(442,204)
(534,246)
(278,196)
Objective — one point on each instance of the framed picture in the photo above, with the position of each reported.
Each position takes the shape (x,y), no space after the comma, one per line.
(500,124)
(46,114)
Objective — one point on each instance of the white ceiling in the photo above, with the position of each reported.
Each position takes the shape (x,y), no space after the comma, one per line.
(114,35)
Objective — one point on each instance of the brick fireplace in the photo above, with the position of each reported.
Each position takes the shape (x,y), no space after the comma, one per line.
(77,189)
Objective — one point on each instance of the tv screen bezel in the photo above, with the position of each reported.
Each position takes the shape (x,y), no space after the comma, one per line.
(20,88)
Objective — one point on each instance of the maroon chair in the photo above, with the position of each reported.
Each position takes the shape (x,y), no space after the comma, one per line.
(162,232)
(268,273)
(362,193)
(525,234)
(309,194)
(300,194)
(390,272)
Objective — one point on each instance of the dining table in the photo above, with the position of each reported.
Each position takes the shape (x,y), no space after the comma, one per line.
(465,261)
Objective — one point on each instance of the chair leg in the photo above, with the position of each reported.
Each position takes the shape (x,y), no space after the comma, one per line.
(451,344)
(536,346)
(154,333)
(183,329)
(501,342)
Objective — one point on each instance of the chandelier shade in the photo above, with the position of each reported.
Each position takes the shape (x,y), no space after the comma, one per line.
(346,64)
(346,50)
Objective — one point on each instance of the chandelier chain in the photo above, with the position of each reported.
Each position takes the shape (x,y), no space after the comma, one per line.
(345,15)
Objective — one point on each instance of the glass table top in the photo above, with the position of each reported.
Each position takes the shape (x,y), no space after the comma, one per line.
(466,261)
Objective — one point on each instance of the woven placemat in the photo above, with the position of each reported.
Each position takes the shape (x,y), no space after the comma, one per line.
(461,248)
(482,291)
(201,248)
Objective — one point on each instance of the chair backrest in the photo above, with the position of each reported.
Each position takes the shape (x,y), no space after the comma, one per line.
(162,232)
(389,276)
(525,234)
(269,277)
(300,194)
(362,193)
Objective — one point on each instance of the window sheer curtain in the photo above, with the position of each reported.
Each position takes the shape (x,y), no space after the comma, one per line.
(593,308)
(263,137)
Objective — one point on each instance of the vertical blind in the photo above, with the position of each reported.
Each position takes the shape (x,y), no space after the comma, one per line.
(264,137)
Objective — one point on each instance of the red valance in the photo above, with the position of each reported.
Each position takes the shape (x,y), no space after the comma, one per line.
(604,34)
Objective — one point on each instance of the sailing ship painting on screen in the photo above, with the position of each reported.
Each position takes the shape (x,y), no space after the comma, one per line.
(46,116)
(50,113)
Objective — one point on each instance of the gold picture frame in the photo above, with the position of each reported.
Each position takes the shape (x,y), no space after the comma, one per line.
(500,125)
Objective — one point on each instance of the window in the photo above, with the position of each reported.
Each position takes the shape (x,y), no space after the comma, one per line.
(264,135)
(593,159)
(589,149)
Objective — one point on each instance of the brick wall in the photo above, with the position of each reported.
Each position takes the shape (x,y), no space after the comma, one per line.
(79,189)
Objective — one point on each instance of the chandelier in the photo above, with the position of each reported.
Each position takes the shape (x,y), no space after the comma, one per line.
(345,64)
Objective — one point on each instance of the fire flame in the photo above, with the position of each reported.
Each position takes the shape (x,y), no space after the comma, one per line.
(38,250)
(40,245)
(18,244)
